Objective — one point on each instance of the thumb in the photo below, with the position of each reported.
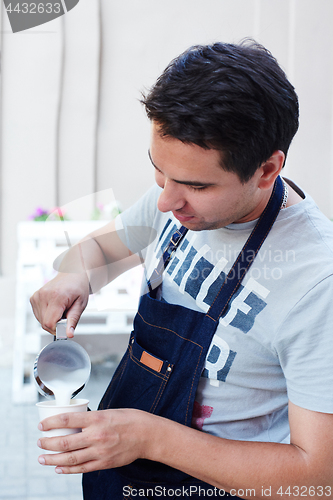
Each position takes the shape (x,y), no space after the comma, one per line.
(73,315)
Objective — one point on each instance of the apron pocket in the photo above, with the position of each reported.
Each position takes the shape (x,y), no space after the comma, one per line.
(141,380)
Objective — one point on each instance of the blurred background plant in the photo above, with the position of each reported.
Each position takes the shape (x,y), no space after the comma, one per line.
(100,212)
(40,214)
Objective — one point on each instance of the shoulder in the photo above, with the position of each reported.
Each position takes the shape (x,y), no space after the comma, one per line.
(143,211)
(139,225)
(305,229)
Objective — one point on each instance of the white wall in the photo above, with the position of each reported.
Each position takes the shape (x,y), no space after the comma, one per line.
(71,121)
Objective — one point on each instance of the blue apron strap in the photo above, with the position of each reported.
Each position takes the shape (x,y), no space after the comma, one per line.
(248,252)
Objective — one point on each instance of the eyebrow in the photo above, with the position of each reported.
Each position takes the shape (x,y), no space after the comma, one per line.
(186,183)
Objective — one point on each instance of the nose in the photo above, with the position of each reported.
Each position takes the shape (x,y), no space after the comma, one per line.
(171,198)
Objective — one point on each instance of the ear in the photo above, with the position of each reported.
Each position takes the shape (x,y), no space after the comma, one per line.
(270,169)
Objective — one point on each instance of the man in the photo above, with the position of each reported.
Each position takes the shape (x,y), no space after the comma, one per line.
(226,386)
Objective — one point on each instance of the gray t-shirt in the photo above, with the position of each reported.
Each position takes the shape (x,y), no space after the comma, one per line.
(276,340)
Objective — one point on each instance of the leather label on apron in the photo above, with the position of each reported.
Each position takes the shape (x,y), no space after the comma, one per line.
(150,361)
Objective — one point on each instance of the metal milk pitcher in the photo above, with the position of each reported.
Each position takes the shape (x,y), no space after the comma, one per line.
(62,367)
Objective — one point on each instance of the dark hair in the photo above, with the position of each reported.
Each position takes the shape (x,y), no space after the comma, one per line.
(234,98)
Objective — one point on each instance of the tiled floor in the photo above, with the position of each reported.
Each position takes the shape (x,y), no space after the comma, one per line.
(21,476)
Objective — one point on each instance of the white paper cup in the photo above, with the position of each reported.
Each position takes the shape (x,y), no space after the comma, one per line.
(49,408)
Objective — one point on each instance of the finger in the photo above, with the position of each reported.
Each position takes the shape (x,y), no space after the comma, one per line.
(66,459)
(79,469)
(45,314)
(54,302)
(53,312)
(48,325)
(73,315)
(73,420)
(70,442)
(69,463)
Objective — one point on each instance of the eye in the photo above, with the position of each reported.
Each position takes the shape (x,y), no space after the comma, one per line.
(197,188)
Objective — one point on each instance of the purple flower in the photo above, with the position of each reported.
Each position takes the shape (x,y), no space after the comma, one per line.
(39,214)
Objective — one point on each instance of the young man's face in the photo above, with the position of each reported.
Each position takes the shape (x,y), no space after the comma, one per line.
(199,193)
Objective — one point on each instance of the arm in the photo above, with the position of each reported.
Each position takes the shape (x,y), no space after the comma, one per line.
(112,438)
(241,465)
(87,266)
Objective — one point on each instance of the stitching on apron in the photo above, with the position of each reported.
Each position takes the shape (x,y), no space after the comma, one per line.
(169,330)
(210,316)
(188,401)
(158,395)
(121,372)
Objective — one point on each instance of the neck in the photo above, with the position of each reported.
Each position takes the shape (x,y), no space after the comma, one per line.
(258,208)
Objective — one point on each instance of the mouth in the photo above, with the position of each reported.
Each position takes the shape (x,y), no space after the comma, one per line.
(183,218)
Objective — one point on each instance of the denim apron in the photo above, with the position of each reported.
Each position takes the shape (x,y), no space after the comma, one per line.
(161,368)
